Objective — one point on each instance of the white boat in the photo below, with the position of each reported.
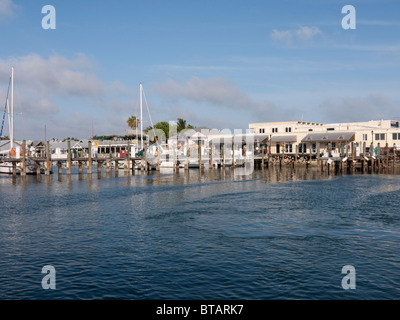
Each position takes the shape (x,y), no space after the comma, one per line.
(6,167)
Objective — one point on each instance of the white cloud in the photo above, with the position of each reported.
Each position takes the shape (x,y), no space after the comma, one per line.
(7,9)
(220,94)
(302,35)
(362,108)
(217,91)
(56,74)
(63,93)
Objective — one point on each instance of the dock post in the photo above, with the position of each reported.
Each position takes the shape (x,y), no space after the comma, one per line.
(108,166)
(233,152)
(99,163)
(223,155)
(387,155)
(23,164)
(379,155)
(364,148)
(262,157)
(69,158)
(47,170)
(146,166)
(80,167)
(199,152)
(128,158)
(14,169)
(394,155)
(211,157)
(187,154)
(59,165)
(116,168)
(90,161)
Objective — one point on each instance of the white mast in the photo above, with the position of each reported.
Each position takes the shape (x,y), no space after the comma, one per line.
(12,110)
(141,117)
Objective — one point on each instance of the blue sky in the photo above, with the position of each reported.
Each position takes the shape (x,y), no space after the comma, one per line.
(220,64)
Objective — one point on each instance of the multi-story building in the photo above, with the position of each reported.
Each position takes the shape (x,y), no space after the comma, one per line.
(306,137)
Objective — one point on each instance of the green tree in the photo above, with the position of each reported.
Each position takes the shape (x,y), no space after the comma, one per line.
(133,122)
(181,125)
(162,125)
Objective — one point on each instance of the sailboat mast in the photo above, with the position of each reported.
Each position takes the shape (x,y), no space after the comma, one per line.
(12,110)
(141,117)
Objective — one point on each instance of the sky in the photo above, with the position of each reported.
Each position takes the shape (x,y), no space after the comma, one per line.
(220,64)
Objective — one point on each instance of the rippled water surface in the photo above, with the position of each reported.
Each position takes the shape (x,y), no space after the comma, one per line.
(271,235)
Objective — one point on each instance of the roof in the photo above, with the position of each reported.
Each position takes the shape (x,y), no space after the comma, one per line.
(283,139)
(329,136)
(240,137)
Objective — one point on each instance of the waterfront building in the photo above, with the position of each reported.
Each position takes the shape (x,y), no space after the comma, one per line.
(292,137)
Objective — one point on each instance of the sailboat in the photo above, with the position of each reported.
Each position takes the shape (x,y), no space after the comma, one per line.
(6,167)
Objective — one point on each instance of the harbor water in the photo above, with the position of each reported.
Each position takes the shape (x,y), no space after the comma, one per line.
(275,234)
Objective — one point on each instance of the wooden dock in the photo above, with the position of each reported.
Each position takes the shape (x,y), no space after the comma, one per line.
(47,162)
(346,161)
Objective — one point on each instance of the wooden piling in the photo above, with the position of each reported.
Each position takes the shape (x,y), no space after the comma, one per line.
(116,167)
(47,169)
(262,157)
(23,164)
(223,155)
(387,154)
(379,155)
(145,158)
(59,165)
(69,162)
(210,157)
(394,155)
(199,152)
(128,158)
(90,161)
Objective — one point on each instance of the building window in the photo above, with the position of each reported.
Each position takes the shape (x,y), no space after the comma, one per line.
(262,130)
(310,130)
(330,129)
(333,145)
(288,148)
(314,148)
(365,137)
(300,148)
(380,136)
(288,129)
(274,130)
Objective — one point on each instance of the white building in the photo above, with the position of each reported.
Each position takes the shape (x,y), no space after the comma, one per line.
(305,137)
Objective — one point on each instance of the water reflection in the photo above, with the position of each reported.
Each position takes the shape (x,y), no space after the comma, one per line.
(167,176)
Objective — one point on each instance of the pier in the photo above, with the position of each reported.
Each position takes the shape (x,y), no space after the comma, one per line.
(45,161)
(215,156)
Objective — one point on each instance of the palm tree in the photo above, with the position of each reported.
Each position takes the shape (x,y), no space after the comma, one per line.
(133,122)
(181,125)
